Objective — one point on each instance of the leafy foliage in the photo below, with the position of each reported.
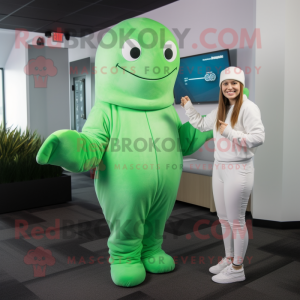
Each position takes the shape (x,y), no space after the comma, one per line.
(18,157)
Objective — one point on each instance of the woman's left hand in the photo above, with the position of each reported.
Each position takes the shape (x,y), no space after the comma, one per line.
(223,126)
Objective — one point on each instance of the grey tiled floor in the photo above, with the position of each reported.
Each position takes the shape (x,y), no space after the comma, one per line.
(272,263)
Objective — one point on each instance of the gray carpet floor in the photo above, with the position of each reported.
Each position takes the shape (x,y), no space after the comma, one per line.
(76,266)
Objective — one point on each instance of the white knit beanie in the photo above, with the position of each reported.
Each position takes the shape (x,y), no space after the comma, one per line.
(232,73)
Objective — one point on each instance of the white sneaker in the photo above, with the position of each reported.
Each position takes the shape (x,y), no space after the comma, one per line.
(229,274)
(220,266)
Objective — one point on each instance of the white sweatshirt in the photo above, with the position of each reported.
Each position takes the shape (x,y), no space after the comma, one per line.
(235,144)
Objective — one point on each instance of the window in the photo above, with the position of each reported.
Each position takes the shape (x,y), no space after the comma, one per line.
(2,103)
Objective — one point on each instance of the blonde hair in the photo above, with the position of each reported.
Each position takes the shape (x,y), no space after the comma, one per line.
(224,106)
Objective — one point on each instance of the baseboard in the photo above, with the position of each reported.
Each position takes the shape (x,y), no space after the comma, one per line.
(276,224)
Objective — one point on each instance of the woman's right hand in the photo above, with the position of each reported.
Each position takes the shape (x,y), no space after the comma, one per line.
(184,100)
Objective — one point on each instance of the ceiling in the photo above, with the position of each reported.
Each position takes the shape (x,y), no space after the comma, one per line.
(79,18)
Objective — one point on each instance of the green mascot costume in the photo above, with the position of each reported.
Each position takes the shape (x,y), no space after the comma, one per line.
(136,141)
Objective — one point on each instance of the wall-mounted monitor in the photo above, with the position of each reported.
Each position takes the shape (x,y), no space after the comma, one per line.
(199,76)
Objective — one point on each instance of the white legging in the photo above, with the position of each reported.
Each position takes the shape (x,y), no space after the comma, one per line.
(232,184)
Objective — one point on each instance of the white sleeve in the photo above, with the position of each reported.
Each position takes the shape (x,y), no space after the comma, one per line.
(255,131)
(196,120)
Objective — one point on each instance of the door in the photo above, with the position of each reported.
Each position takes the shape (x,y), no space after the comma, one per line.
(79,102)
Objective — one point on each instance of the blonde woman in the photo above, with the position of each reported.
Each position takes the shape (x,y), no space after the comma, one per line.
(237,131)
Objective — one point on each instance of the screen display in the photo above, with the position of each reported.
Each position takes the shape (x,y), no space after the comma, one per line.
(199,77)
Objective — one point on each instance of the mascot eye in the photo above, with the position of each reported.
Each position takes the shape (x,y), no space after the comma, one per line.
(131,50)
(36,68)
(45,68)
(170,51)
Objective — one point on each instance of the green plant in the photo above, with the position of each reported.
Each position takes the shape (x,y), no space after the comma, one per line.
(18,157)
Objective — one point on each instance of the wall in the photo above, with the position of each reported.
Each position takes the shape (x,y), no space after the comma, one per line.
(48,107)
(290,204)
(15,78)
(86,47)
(195,15)
(277,177)
(15,88)
(199,15)
(79,68)
(7,38)
(80,48)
